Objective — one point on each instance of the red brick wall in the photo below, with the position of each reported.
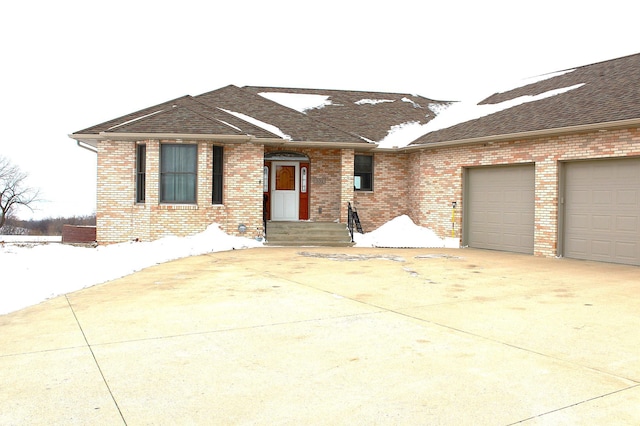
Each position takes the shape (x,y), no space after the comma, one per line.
(441,171)
(421,184)
(390,196)
(119,218)
(78,234)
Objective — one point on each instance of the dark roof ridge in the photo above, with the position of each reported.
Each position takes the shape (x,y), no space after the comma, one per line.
(301,89)
(597,63)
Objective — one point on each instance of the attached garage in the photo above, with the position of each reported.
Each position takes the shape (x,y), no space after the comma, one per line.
(499,208)
(601,203)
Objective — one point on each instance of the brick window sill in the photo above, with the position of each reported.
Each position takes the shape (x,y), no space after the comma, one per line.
(178,206)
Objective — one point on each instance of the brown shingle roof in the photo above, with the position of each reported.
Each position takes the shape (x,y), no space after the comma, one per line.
(188,116)
(366,114)
(293,123)
(610,92)
(205,114)
(103,127)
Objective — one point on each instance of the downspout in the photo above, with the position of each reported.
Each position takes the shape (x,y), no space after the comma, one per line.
(87,147)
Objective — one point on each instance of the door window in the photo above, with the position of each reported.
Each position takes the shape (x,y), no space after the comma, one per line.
(285,178)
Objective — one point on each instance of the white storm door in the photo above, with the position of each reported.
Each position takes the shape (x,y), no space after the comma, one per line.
(285,188)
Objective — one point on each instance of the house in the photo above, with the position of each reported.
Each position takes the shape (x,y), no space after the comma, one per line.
(550,168)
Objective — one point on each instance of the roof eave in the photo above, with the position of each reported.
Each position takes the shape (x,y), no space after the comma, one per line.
(86,139)
(93,139)
(559,131)
(357,146)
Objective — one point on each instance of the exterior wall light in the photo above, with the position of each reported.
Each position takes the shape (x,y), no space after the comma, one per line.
(242,228)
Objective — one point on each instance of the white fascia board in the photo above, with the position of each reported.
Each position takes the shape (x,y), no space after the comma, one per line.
(559,131)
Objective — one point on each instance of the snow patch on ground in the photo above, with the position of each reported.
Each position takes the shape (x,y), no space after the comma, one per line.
(401,232)
(36,272)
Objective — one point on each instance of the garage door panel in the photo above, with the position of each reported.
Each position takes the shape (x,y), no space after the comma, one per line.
(511,218)
(501,208)
(527,217)
(601,248)
(627,250)
(627,224)
(493,218)
(601,223)
(577,246)
(627,197)
(602,210)
(494,197)
(578,197)
(515,196)
(602,197)
(578,222)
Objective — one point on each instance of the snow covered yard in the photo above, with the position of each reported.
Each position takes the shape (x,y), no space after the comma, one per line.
(33,273)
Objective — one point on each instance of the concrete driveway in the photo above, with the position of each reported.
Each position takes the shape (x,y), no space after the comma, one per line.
(333,336)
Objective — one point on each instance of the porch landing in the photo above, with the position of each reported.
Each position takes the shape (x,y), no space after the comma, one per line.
(331,234)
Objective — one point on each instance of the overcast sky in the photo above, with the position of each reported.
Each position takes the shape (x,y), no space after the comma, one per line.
(67,65)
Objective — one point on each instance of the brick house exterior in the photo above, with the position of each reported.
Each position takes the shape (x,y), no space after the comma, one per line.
(590,113)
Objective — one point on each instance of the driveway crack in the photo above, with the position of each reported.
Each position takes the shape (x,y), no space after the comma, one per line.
(84,336)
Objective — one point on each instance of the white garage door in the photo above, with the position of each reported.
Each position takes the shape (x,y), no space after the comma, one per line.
(602,211)
(499,208)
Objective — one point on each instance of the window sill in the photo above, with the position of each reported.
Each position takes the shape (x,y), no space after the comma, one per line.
(178,206)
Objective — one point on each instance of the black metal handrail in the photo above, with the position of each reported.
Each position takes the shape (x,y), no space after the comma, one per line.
(265,200)
(350,220)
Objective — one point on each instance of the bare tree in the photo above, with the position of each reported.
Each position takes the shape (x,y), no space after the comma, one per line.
(14,191)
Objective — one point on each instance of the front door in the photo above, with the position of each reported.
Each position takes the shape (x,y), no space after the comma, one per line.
(285,189)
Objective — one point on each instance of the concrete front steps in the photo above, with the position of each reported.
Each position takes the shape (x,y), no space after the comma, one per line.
(303,233)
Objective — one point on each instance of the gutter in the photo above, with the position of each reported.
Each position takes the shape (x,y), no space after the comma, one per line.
(183,136)
(558,131)
(357,146)
(91,140)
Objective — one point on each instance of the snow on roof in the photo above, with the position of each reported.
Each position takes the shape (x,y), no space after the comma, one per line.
(299,101)
(415,105)
(372,101)
(135,119)
(266,126)
(230,125)
(460,112)
(438,108)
